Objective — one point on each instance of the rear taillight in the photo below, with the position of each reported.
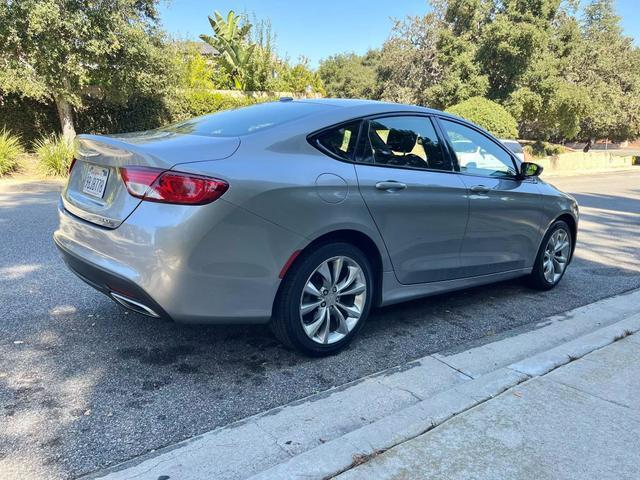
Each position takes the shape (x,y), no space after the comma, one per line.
(166,186)
(73,162)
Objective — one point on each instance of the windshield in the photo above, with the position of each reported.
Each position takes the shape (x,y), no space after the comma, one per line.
(246,120)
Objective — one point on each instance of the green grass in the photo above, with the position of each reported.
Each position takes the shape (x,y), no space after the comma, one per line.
(55,154)
(10,150)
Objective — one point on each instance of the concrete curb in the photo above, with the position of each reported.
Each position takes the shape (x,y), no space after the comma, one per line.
(328,433)
(339,455)
(356,447)
(544,362)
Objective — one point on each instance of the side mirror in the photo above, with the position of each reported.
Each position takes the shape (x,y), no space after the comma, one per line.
(528,169)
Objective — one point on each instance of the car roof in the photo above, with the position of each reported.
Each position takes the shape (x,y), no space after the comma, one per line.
(340,110)
(357,103)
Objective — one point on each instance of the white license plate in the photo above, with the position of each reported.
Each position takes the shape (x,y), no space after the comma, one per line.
(96,181)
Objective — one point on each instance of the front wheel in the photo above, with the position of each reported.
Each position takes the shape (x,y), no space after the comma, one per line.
(553,257)
(324,300)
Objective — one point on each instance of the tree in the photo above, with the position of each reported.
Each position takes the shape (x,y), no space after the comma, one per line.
(58,49)
(489,115)
(430,60)
(348,75)
(607,67)
(546,99)
(513,36)
(231,41)
(299,78)
(264,64)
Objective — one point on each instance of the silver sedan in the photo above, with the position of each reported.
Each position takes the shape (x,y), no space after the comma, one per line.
(306,214)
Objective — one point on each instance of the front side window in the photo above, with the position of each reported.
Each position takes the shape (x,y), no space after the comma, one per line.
(406,141)
(340,141)
(477,154)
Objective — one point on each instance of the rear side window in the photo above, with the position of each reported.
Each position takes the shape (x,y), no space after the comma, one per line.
(243,121)
(404,141)
(339,141)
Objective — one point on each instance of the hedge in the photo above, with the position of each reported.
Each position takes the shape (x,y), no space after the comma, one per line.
(541,149)
(27,118)
(488,115)
(32,120)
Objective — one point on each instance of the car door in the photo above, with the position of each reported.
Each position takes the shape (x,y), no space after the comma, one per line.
(503,232)
(417,201)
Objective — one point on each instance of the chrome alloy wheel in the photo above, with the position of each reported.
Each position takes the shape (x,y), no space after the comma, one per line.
(556,255)
(333,300)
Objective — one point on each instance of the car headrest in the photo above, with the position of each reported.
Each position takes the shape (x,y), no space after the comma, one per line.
(401,140)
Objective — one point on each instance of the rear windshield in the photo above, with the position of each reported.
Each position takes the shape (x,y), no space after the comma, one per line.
(246,120)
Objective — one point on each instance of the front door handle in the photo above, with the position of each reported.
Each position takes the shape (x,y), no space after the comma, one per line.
(481,189)
(391,186)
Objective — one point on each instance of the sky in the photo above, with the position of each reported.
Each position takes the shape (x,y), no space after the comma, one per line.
(320,28)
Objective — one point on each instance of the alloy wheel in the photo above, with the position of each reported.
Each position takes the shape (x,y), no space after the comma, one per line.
(333,300)
(556,256)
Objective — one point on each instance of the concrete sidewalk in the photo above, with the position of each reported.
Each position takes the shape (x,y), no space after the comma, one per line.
(579,421)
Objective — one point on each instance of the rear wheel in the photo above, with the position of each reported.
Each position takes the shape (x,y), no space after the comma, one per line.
(553,257)
(324,300)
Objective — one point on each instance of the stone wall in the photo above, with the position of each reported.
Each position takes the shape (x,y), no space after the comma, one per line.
(576,162)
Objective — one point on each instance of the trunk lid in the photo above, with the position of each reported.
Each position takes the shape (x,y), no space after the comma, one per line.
(96,192)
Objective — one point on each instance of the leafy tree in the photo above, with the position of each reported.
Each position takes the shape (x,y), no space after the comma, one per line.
(195,71)
(607,67)
(60,49)
(299,78)
(231,41)
(546,98)
(491,116)
(409,67)
(247,55)
(348,75)
(457,48)
(513,36)
(430,60)
(264,64)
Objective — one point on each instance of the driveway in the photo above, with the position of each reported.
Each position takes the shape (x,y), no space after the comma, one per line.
(84,385)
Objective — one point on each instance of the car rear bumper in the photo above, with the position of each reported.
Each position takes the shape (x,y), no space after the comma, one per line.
(114,286)
(214,264)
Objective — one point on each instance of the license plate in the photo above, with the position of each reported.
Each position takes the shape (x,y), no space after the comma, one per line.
(96,181)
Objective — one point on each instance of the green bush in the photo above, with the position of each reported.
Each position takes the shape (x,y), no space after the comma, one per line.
(488,115)
(10,150)
(29,119)
(140,112)
(195,102)
(55,154)
(541,149)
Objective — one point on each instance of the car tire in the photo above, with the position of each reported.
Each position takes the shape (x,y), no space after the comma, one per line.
(541,277)
(306,285)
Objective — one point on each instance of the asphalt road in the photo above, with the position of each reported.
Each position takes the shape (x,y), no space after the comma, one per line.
(84,385)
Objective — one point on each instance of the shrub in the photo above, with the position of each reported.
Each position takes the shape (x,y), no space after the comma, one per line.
(195,102)
(55,154)
(488,115)
(10,150)
(541,149)
(27,118)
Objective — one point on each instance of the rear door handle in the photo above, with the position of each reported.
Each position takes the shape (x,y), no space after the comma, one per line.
(391,186)
(480,189)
